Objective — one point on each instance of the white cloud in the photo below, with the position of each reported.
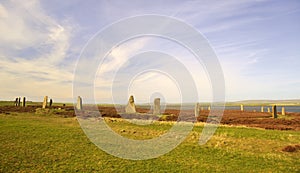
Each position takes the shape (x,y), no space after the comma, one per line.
(14,31)
(33,46)
(116,59)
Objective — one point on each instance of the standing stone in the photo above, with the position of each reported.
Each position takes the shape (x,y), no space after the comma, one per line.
(79,103)
(197,109)
(45,102)
(19,101)
(50,102)
(274,111)
(24,102)
(269,110)
(242,107)
(156,110)
(208,108)
(130,108)
(16,101)
(262,109)
(283,110)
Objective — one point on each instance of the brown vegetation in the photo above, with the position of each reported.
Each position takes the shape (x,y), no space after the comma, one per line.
(230,117)
(291,148)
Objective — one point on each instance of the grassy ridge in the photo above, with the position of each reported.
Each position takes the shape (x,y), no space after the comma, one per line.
(33,143)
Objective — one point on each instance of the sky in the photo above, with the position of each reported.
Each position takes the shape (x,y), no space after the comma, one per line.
(256,43)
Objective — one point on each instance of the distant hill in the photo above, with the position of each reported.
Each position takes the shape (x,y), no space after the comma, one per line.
(268,102)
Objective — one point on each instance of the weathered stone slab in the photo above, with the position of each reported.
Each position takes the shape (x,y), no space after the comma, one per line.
(242,107)
(156,109)
(197,109)
(262,109)
(24,102)
(50,102)
(283,110)
(130,108)
(16,101)
(274,111)
(79,103)
(45,102)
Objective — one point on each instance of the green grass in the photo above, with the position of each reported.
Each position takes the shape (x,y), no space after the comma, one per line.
(36,143)
(6,103)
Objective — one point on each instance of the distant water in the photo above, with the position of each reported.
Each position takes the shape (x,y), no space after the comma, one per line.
(258,108)
(246,108)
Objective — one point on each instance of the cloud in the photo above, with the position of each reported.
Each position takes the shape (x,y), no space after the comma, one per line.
(120,54)
(33,45)
(117,58)
(40,41)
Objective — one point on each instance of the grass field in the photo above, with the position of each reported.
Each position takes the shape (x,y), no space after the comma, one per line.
(37,143)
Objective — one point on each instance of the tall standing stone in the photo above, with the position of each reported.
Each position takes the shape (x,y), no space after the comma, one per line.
(50,103)
(208,108)
(16,101)
(262,109)
(45,102)
(19,101)
(130,108)
(283,110)
(197,109)
(156,109)
(24,102)
(274,111)
(242,107)
(79,103)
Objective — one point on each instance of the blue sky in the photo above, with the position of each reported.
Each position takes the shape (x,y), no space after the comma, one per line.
(257,44)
